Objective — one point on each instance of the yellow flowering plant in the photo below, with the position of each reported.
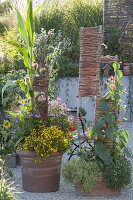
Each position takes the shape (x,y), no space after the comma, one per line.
(7,139)
(46,140)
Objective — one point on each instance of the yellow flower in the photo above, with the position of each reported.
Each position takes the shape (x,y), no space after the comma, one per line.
(69,136)
(6,124)
(45,140)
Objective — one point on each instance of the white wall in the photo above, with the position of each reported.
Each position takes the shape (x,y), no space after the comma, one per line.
(68,90)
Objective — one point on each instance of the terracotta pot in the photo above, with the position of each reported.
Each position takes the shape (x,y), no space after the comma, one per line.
(101,189)
(40,176)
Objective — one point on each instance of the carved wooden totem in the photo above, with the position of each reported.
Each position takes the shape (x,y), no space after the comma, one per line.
(40,86)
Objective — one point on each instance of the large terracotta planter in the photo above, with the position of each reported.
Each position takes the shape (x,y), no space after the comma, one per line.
(101,189)
(40,176)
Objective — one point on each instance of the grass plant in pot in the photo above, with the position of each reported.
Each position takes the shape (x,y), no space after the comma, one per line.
(109,154)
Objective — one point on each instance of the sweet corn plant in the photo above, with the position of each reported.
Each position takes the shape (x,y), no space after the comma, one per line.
(27,34)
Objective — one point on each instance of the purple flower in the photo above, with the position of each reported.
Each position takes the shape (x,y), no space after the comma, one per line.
(37,116)
(17,121)
(6,116)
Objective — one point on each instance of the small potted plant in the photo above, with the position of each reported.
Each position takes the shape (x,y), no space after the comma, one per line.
(108,153)
(83,174)
(90,179)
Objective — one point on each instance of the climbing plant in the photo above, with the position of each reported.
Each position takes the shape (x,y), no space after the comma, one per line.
(111,139)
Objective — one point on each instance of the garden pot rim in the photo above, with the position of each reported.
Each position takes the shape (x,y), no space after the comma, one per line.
(11,154)
(32,154)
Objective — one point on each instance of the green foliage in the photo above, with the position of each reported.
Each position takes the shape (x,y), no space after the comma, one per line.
(2,28)
(47,50)
(26,30)
(119,173)
(104,106)
(82,111)
(7,139)
(22,122)
(61,121)
(80,172)
(113,42)
(11,69)
(103,153)
(7,189)
(10,92)
(111,138)
(9,51)
(68,17)
(67,69)
(4,10)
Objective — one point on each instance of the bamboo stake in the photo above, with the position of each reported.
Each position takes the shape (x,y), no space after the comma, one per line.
(79,138)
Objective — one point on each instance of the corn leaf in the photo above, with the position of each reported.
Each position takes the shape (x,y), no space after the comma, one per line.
(22,29)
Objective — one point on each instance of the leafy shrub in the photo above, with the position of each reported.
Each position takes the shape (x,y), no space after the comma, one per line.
(80,172)
(119,173)
(113,42)
(10,89)
(68,69)
(6,48)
